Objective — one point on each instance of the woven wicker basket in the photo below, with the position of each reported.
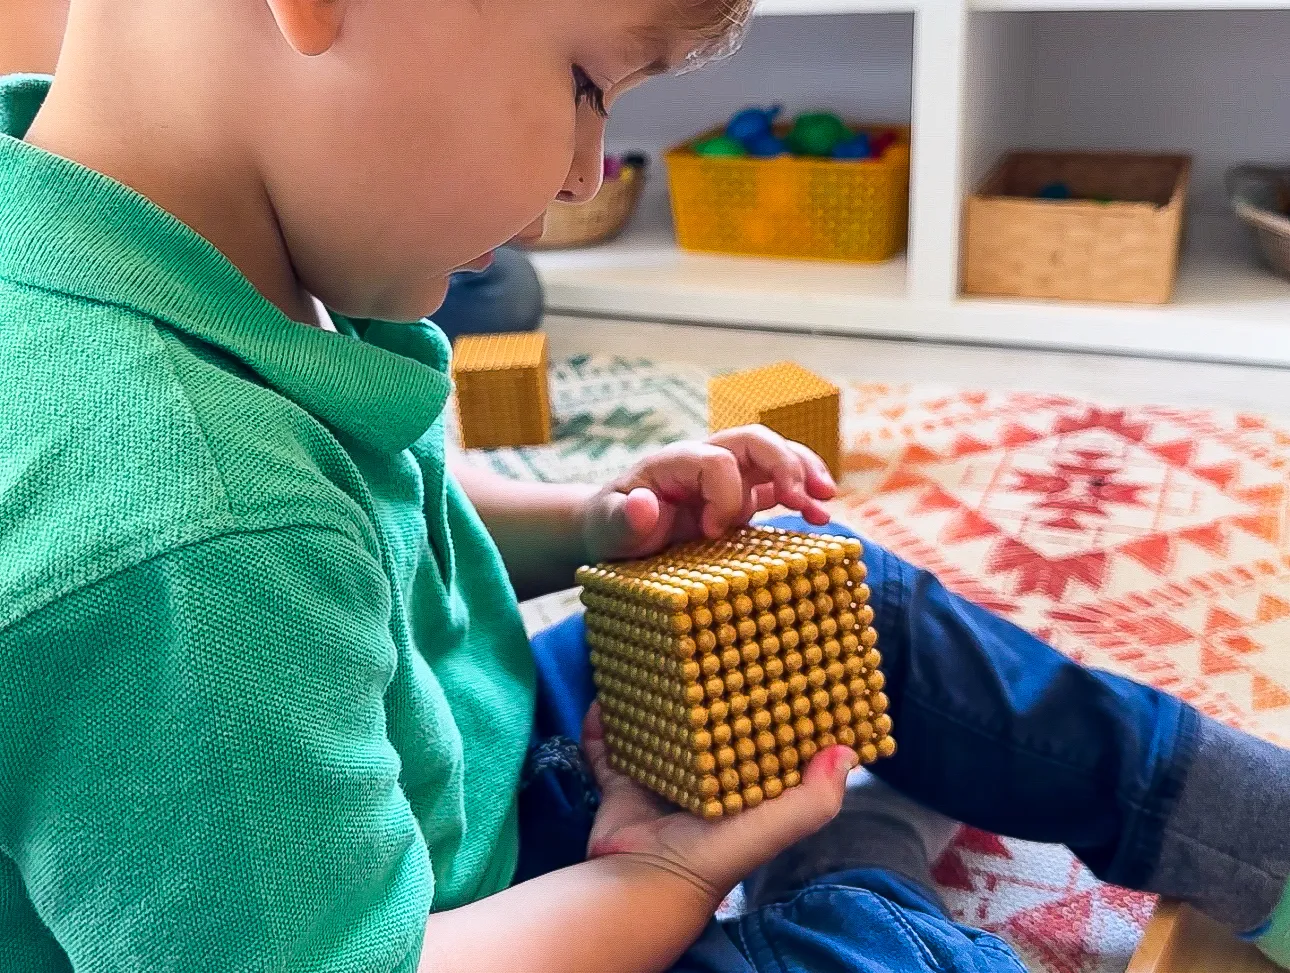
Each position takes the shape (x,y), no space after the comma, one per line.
(602,218)
(1123,248)
(1261,197)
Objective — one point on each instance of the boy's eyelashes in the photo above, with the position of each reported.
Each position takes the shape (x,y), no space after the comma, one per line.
(586,91)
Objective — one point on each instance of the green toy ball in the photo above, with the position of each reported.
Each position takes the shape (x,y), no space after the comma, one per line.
(720,145)
(817,133)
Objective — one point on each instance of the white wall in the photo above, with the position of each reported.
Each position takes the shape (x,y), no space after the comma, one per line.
(860,67)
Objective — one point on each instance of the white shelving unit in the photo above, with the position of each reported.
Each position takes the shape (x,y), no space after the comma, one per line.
(974,78)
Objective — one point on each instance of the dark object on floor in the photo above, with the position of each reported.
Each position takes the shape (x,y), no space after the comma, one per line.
(506,297)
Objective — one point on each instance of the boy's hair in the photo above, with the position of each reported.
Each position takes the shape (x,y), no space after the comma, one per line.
(720,24)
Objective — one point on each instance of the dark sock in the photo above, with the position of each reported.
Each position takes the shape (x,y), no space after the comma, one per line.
(1226,844)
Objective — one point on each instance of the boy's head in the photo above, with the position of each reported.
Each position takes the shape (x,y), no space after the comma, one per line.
(395,141)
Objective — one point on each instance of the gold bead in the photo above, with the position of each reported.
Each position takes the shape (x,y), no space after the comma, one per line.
(839,693)
(864,731)
(762,600)
(826,740)
(773,667)
(781,593)
(742,605)
(698,717)
(809,631)
(797,684)
(786,617)
(725,757)
(784,735)
(749,653)
(801,706)
(823,721)
(701,616)
(882,725)
(718,710)
(732,803)
(749,773)
(758,697)
(742,726)
(738,702)
(746,630)
(705,641)
(790,639)
(721,734)
(879,703)
(765,741)
(872,658)
(807,749)
(792,778)
(876,681)
(735,681)
(712,810)
(789,758)
(726,635)
(864,616)
(847,736)
(868,753)
(769,763)
(886,747)
(754,674)
(745,749)
(804,728)
(752,795)
(776,689)
(813,655)
(772,787)
(729,779)
(820,582)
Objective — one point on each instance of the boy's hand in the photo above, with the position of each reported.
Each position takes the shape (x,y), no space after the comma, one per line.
(713,856)
(702,489)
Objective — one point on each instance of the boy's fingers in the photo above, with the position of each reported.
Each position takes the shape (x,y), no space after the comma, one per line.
(760,834)
(770,458)
(819,481)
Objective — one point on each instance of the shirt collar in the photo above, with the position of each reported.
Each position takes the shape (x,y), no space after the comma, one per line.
(66,228)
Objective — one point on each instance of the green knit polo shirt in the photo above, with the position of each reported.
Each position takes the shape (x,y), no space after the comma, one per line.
(264,687)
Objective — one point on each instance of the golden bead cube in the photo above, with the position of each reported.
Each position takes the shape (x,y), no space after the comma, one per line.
(785,397)
(502,392)
(716,719)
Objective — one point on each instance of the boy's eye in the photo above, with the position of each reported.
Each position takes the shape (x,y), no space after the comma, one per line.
(586,91)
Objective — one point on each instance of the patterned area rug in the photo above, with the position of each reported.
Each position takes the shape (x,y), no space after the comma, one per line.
(1154,542)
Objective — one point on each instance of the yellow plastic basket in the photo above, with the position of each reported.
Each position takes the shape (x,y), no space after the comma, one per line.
(805,208)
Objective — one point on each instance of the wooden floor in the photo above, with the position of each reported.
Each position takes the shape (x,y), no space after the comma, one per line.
(1098,377)
(1180,940)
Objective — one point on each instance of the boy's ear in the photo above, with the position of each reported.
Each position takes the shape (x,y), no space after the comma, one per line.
(309,26)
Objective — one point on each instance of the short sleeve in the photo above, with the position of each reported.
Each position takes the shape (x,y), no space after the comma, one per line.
(197,773)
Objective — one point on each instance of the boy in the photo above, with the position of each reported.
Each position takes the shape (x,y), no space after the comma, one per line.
(266,695)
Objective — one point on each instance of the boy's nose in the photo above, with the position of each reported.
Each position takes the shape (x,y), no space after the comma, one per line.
(585,174)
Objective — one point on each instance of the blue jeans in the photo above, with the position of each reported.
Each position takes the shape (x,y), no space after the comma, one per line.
(996,729)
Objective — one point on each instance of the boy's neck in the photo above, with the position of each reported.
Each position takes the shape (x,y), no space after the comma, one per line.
(178,159)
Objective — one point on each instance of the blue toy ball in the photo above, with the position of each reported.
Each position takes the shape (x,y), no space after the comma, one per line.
(853,148)
(1055,190)
(752,123)
(766,146)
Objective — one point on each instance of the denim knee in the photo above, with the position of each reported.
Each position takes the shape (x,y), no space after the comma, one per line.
(864,920)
